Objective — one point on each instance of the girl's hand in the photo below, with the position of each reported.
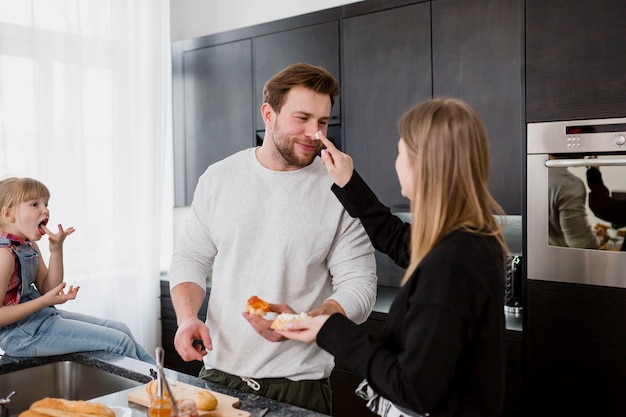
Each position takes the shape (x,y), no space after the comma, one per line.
(56,239)
(58,296)
(338,164)
(305,330)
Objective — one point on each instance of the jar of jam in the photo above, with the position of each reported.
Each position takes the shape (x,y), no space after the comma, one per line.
(160,406)
(187,408)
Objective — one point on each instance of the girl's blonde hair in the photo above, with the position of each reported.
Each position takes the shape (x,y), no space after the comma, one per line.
(448,142)
(14,191)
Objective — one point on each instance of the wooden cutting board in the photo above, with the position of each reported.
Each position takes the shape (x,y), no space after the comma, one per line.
(225,403)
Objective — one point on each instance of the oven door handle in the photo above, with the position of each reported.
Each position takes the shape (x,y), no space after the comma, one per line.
(591,162)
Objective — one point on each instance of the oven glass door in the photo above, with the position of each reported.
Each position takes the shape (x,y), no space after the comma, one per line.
(586,204)
(577,218)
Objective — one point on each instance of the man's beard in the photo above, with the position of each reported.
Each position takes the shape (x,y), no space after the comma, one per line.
(285,147)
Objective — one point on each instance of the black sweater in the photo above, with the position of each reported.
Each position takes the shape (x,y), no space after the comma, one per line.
(442,348)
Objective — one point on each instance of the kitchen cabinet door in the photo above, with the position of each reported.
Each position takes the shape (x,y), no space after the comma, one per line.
(575,59)
(478,57)
(575,359)
(386,68)
(316,44)
(169,328)
(212,88)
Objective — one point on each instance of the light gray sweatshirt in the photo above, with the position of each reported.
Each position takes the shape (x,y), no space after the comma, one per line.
(284,237)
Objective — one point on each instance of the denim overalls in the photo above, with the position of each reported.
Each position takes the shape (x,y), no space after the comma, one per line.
(50,331)
(28,263)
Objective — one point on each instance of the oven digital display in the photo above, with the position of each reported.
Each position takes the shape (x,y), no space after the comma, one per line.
(577,130)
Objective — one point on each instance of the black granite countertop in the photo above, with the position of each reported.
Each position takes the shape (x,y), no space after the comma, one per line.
(385,296)
(141,372)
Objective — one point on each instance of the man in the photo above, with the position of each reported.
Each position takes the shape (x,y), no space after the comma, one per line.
(568,224)
(264,222)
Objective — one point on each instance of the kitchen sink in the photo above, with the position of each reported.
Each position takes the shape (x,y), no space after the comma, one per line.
(64,379)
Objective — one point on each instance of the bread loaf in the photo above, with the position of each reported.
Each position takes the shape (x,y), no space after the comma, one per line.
(32,413)
(59,407)
(152,388)
(205,401)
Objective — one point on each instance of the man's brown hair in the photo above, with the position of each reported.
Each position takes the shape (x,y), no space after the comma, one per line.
(309,76)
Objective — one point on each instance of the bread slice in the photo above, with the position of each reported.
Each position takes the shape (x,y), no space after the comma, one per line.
(255,305)
(280,323)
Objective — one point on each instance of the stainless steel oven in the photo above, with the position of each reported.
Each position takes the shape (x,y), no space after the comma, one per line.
(558,154)
(575,315)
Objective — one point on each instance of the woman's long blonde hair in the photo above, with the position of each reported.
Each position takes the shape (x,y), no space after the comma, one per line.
(448,142)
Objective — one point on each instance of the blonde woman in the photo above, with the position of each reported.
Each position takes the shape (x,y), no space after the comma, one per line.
(442,349)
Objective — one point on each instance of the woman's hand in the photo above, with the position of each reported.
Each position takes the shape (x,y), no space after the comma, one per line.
(304,330)
(338,164)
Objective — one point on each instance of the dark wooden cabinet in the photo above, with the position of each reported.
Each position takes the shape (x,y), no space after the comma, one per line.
(172,359)
(387,59)
(576,361)
(316,44)
(514,395)
(386,68)
(575,59)
(478,57)
(213,104)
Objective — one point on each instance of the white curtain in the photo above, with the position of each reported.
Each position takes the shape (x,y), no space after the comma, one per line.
(84,108)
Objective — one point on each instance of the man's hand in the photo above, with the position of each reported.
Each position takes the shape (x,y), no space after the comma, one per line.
(262,326)
(188,332)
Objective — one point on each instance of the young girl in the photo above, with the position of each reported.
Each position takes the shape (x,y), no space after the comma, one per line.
(442,349)
(30,325)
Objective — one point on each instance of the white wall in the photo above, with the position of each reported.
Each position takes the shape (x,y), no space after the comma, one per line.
(193,18)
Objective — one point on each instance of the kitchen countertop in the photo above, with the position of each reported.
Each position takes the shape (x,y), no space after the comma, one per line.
(140,371)
(385,297)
